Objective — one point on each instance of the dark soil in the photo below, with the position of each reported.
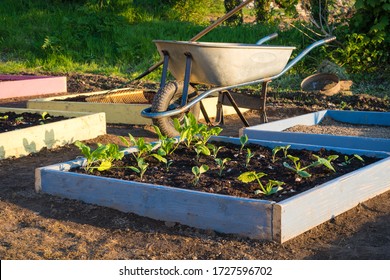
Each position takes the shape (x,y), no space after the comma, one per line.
(40,226)
(11,121)
(179,174)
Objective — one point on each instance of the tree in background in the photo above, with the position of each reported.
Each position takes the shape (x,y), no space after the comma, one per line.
(237,18)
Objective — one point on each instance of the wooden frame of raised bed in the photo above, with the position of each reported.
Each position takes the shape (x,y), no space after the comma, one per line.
(25,85)
(257,219)
(115,112)
(274,131)
(79,126)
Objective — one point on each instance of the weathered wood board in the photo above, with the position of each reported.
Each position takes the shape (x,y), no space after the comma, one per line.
(20,86)
(80,126)
(115,112)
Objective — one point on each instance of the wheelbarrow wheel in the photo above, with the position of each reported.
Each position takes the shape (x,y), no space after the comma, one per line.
(168,98)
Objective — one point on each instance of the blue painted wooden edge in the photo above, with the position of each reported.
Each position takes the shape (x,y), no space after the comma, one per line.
(273,131)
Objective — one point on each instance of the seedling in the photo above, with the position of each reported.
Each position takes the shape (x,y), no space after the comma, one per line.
(243,140)
(221,164)
(144,148)
(348,160)
(198,171)
(141,169)
(249,155)
(101,158)
(189,129)
(214,150)
(270,188)
(4,118)
(200,148)
(44,116)
(279,148)
(327,162)
(167,144)
(297,168)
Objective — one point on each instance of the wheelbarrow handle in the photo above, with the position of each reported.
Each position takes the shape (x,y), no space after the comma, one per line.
(267,38)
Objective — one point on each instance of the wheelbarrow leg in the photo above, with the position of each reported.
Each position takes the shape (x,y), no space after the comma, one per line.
(165,69)
(235,106)
(263,99)
(219,114)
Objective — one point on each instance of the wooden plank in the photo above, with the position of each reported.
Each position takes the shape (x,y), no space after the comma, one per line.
(29,140)
(115,112)
(19,86)
(273,131)
(306,119)
(307,210)
(225,214)
(360,117)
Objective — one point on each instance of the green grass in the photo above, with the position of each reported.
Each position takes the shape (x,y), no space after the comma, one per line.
(65,36)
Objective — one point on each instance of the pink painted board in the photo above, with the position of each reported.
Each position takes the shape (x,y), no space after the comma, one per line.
(24,85)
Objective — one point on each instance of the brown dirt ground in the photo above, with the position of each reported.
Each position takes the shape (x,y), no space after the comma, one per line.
(40,226)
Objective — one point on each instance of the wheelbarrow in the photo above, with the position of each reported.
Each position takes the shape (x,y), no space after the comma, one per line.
(221,66)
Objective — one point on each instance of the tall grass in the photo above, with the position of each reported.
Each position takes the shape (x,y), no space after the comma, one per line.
(78,36)
(116,38)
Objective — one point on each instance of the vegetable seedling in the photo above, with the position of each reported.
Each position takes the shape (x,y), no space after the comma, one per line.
(198,171)
(221,164)
(270,188)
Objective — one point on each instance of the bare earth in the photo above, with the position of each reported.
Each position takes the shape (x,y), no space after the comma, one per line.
(40,226)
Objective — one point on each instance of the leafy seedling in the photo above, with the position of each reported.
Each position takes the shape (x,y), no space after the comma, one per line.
(348,160)
(198,171)
(248,157)
(270,188)
(279,148)
(297,168)
(327,162)
(141,169)
(243,140)
(221,164)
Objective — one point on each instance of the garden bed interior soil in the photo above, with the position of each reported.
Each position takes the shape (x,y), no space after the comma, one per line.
(330,126)
(10,121)
(179,174)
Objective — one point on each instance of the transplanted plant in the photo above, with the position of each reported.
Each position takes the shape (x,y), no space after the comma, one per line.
(221,164)
(301,170)
(279,148)
(248,156)
(102,157)
(141,167)
(348,160)
(243,140)
(270,188)
(198,171)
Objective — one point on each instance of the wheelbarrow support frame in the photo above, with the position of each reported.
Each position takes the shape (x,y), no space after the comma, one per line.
(222,90)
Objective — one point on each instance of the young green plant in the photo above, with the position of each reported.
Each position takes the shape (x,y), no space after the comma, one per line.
(221,164)
(198,171)
(270,188)
(279,148)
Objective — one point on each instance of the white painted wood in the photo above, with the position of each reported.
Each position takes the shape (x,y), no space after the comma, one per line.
(81,126)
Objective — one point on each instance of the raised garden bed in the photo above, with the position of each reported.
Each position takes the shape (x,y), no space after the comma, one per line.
(115,112)
(279,130)
(32,138)
(25,85)
(258,218)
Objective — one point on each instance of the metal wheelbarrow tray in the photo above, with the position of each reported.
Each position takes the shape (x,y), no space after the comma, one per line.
(223,66)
